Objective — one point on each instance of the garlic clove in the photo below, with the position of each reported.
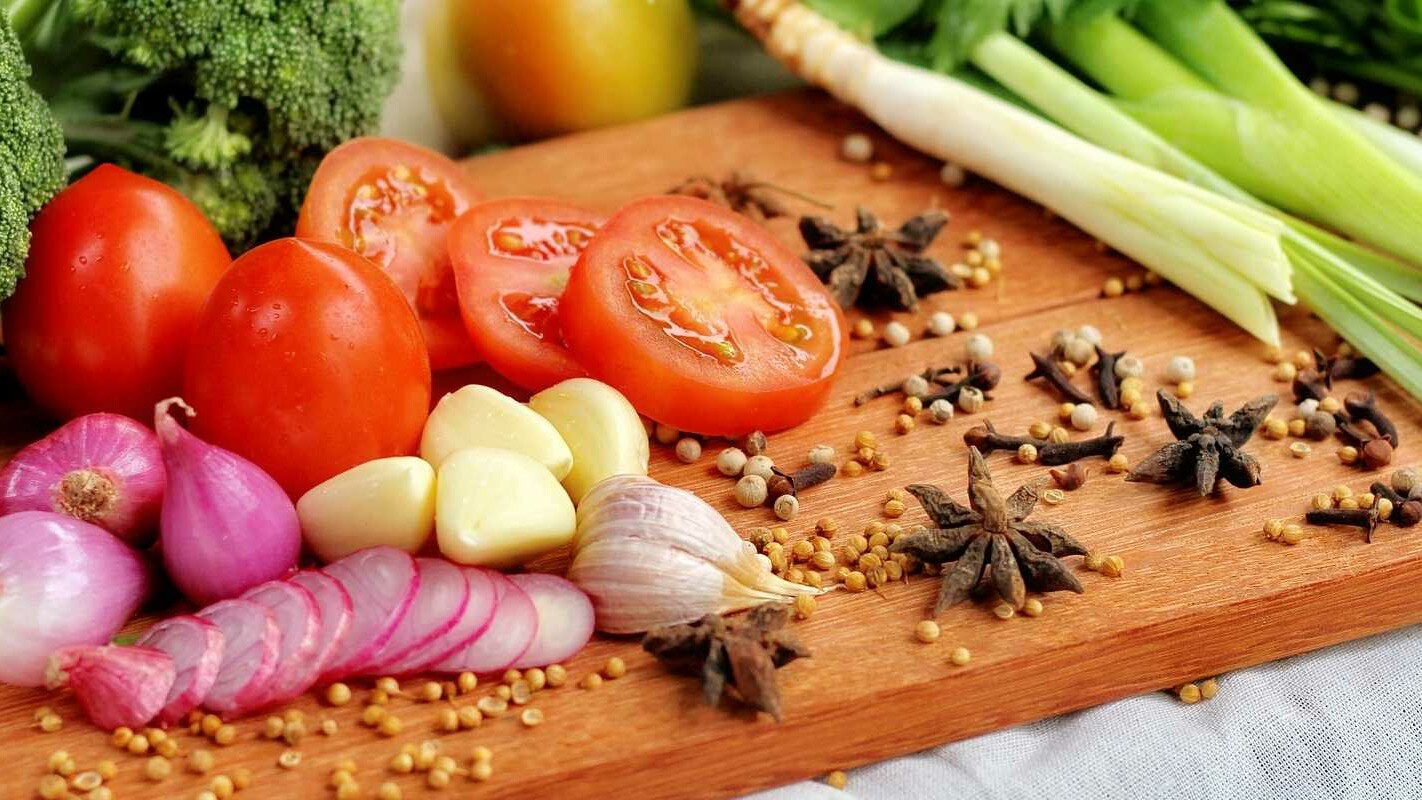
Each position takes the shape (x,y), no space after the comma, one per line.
(601,428)
(477,416)
(499,508)
(388,501)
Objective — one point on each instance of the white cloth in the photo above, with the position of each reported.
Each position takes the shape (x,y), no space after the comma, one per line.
(1340,723)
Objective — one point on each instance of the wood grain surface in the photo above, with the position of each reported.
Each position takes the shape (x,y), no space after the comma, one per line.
(1203,592)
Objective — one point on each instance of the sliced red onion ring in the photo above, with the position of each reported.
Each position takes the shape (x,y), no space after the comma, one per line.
(382,583)
(196,647)
(510,632)
(116,686)
(438,606)
(336,613)
(299,619)
(478,613)
(565,619)
(249,658)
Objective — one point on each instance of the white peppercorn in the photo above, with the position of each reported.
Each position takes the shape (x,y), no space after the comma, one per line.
(688,450)
(896,334)
(730,462)
(821,454)
(971,400)
(952,175)
(941,323)
(857,148)
(1090,333)
(760,466)
(978,347)
(751,491)
(1083,416)
(941,411)
(1180,369)
(1079,351)
(787,506)
(915,386)
(1129,367)
(1307,407)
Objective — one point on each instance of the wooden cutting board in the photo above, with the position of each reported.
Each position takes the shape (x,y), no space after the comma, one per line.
(1203,592)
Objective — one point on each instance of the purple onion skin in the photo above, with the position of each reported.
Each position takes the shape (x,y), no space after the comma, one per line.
(101,468)
(63,582)
(226,525)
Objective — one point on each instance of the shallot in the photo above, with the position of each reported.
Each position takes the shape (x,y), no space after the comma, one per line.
(478,615)
(100,468)
(63,582)
(336,612)
(196,646)
(512,630)
(299,620)
(565,619)
(249,658)
(116,686)
(382,583)
(226,525)
(438,606)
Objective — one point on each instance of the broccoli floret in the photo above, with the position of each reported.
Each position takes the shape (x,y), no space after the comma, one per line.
(31,158)
(230,101)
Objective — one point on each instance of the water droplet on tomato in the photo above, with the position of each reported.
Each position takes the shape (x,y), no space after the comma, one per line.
(83,259)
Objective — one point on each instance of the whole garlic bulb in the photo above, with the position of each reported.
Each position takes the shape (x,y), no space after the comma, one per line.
(649,554)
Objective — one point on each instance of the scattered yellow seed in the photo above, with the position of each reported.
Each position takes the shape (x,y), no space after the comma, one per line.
(1040,429)
(856,581)
(480,753)
(1004,611)
(121,737)
(402,764)
(1094,561)
(1272,354)
(1027,453)
(1285,372)
(388,685)
(1130,397)
(1113,566)
(53,787)
(1366,500)
(481,771)
(329,727)
(200,762)
(138,745)
(390,726)
(210,724)
(431,691)
(167,748)
(1053,497)
(912,405)
(1297,427)
(448,720)
(823,560)
(1384,507)
(289,759)
(273,727)
(1209,688)
(467,682)
(837,779)
(557,675)
(207,795)
(1139,410)
(520,692)
(1033,607)
(372,715)
(1118,463)
(531,717)
(1189,694)
(389,791)
(338,694)
(592,680)
(1300,449)
(881,171)
(223,786)
(155,736)
(106,769)
(1113,287)
(927,631)
(1329,404)
(1291,534)
(350,790)
(1184,389)
(1275,428)
(852,469)
(863,328)
(1273,529)
(780,533)
(226,735)
(960,656)
(865,439)
(157,768)
(1349,504)
(805,605)
(1064,411)
(511,675)
(51,723)
(968,320)
(1059,435)
(903,423)
(437,779)
(894,509)
(87,781)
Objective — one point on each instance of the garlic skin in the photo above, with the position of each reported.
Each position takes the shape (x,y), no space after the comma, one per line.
(477,416)
(499,508)
(602,429)
(388,501)
(650,554)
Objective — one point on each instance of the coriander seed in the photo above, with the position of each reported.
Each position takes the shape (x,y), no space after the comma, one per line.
(1275,428)
(863,328)
(1053,497)
(805,606)
(557,675)
(894,509)
(481,771)
(1027,453)
(855,581)
(1189,694)
(1285,372)
(1348,454)
(837,779)
(1032,607)
(1209,688)
(1184,389)
(1040,429)
(1298,427)
(1273,529)
(592,680)
(853,469)
(927,631)
(1113,287)
(437,779)
(531,717)
(1004,611)
(960,656)
(1300,449)
(1118,463)
(903,423)
(614,668)
(1113,566)
(138,745)
(290,759)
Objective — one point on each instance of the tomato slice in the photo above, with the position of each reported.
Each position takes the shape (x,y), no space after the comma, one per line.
(702,319)
(393,202)
(511,259)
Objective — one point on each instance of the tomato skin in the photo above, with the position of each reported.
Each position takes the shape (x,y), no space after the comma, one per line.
(118,271)
(556,66)
(490,283)
(308,361)
(678,379)
(402,233)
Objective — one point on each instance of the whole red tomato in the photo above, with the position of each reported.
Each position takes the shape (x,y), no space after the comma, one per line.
(308,361)
(119,268)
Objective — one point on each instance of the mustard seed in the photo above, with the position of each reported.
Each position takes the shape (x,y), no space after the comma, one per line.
(805,606)
(1113,566)
(437,779)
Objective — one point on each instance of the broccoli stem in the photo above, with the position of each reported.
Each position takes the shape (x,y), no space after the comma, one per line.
(25,14)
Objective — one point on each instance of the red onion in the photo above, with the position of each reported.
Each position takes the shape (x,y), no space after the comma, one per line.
(226,525)
(196,647)
(478,613)
(101,468)
(62,582)
(116,686)
(336,613)
(565,619)
(249,656)
(512,630)
(299,619)
(382,583)
(438,607)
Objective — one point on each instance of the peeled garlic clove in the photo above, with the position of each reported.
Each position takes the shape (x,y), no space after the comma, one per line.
(499,508)
(477,416)
(601,428)
(388,501)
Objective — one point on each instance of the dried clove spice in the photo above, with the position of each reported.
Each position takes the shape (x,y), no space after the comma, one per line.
(791,483)
(743,194)
(1071,478)
(871,266)
(1365,407)
(931,374)
(1108,387)
(1365,518)
(1050,371)
(991,543)
(1208,448)
(983,376)
(1406,511)
(740,653)
(986,439)
(1314,383)
(1351,368)
(1374,450)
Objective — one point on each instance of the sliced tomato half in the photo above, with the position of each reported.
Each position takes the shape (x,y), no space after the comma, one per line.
(393,202)
(703,319)
(511,259)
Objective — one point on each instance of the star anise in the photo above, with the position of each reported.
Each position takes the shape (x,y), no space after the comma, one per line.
(739,192)
(992,543)
(1209,448)
(740,652)
(872,266)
